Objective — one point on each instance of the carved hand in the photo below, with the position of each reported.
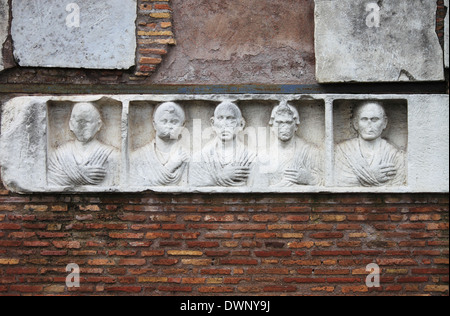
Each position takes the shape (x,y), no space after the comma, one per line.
(385,172)
(177,160)
(95,173)
(231,174)
(299,176)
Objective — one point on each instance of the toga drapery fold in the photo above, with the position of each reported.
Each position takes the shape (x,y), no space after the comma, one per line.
(147,169)
(65,167)
(206,169)
(352,168)
(303,156)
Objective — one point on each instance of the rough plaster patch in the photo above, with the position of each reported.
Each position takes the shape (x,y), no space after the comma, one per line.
(238,42)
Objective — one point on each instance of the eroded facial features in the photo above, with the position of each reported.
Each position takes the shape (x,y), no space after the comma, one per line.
(371,121)
(85,122)
(168,120)
(168,125)
(226,123)
(284,126)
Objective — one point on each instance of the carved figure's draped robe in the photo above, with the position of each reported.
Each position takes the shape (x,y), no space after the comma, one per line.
(353,169)
(65,165)
(206,168)
(303,156)
(148,168)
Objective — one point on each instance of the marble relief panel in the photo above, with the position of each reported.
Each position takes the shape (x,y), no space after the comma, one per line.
(222,143)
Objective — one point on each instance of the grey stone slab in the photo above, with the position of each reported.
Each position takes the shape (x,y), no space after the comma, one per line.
(428,147)
(377,41)
(81,34)
(182,143)
(4,21)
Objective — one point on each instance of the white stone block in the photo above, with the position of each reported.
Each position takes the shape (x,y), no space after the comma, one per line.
(81,34)
(23,144)
(226,143)
(377,41)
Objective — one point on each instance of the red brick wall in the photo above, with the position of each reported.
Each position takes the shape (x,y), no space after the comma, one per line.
(151,244)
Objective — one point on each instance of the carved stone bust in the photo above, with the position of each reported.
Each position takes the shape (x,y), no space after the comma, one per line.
(162,162)
(84,161)
(295,162)
(369,160)
(225,161)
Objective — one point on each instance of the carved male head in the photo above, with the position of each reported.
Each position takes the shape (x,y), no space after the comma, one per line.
(168,120)
(227,121)
(85,122)
(370,120)
(284,121)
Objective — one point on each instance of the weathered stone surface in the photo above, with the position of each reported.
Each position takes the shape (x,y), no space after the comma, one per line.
(428,146)
(376,154)
(47,33)
(91,140)
(377,41)
(446,34)
(4,19)
(226,143)
(23,146)
(239,42)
